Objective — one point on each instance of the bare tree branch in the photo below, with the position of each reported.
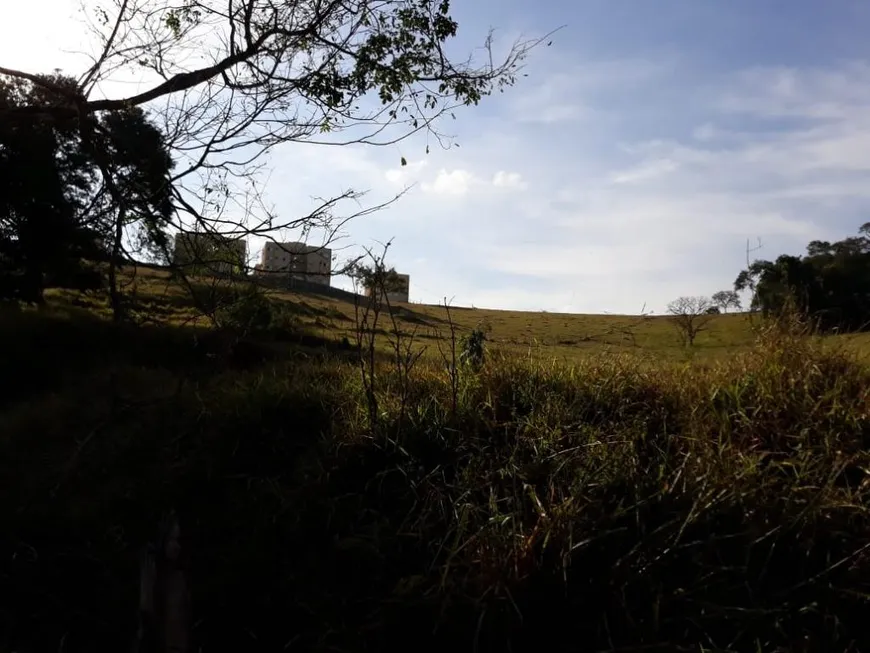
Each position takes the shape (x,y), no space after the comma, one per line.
(229,80)
(690,316)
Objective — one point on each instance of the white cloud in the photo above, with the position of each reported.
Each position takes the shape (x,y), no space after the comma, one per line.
(779,91)
(579,92)
(706,132)
(452,184)
(512,180)
(676,216)
(645,171)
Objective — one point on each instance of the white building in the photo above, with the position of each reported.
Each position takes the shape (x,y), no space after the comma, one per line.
(296,260)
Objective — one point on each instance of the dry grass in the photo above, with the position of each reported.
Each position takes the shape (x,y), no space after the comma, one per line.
(624,502)
(566,338)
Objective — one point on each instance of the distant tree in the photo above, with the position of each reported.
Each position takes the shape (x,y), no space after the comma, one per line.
(725,299)
(713,310)
(829,285)
(377,277)
(690,316)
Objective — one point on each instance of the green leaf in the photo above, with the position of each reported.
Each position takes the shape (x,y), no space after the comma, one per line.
(173,23)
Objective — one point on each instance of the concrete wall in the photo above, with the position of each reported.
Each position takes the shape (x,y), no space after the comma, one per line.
(402,290)
(296,260)
(300,285)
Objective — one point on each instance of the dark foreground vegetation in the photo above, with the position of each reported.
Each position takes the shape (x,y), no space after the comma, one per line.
(502,505)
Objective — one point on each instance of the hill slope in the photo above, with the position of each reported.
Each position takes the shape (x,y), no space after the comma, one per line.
(563,337)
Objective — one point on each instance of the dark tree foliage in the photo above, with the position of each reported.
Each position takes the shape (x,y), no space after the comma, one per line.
(829,284)
(141,164)
(377,277)
(57,215)
(44,186)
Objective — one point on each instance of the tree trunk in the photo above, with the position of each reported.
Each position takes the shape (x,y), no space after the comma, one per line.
(32,287)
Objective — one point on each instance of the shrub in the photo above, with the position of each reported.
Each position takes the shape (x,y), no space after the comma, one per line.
(472,346)
(246,310)
(249,311)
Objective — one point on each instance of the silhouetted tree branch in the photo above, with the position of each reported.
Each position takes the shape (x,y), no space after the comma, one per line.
(690,316)
(229,80)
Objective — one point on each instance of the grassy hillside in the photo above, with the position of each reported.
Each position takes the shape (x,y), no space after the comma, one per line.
(615,502)
(547,336)
(552,335)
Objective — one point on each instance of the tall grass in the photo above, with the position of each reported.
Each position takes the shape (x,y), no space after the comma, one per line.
(613,505)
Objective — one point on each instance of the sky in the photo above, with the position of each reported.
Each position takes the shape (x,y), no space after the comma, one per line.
(645,151)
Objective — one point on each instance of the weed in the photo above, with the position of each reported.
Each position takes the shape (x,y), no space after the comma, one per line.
(473,346)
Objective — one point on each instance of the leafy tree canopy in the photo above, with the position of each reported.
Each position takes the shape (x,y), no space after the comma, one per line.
(830,283)
(725,299)
(377,277)
(56,207)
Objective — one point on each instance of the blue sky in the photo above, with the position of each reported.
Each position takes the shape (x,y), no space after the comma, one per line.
(646,146)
